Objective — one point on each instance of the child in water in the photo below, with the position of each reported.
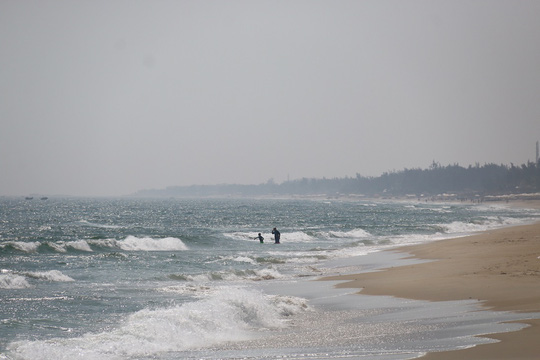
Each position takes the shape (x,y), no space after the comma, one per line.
(261,239)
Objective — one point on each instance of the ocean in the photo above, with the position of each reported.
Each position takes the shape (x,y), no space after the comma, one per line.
(123,278)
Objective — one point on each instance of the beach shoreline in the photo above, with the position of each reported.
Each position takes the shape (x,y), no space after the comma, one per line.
(499,268)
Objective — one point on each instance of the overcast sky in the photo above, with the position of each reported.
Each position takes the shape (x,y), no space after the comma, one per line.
(109,97)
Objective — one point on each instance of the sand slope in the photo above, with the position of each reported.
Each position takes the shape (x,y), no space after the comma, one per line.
(501,268)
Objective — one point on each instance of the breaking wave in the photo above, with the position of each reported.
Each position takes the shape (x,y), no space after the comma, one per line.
(301,236)
(19,280)
(460,227)
(231,275)
(222,316)
(131,243)
(27,247)
(13,281)
(51,275)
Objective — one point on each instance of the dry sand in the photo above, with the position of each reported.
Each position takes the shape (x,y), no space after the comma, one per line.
(501,268)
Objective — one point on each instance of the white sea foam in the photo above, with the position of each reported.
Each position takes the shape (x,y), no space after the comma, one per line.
(266,274)
(91,224)
(110,243)
(246,236)
(80,245)
(442,210)
(51,275)
(233,314)
(132,243)
(244,259)
(63,246)
(232,275)
(296,236)
(307,258)
(290,305)
(28,247)
(359,250)
(412,239)
(450,230)
(459,227)
(301,236)
(13,281)
(353,234)
(58,246)
(188,289)
(44,298)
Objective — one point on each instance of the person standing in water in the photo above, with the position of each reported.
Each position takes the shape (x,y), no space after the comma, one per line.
(261,239)
(277,235)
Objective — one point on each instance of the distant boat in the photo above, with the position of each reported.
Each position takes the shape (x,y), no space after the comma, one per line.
(44,198)
(29,198)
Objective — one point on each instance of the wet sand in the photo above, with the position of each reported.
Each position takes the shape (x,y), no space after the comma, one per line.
(500,268)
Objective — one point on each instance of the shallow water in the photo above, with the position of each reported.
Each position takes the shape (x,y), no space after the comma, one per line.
(169,279)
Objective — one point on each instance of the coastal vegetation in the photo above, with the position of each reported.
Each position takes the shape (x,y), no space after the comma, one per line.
(486,180)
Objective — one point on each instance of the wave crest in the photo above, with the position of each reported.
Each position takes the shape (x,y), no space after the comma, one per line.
(132,243)
(51,275)
(13,281)
(227,315)
(27,247)
(302,236)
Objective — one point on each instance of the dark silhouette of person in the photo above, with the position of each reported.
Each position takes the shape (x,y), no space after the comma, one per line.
(277,235)
(261,239)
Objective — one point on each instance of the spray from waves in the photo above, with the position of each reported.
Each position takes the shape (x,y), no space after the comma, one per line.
(310,236)
(64,246)
(188,289)
(227,315)
(27,247)
(250,259)
(298,236)
(230,275)
(450,230)
(244,259)
(353,234)
(245,236)
(303,237)
(51,275)
(36,246)
(133,243)
(16,280)
(13,281)
(492,222)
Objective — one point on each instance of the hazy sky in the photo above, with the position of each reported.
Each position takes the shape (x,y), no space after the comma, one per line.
(109,97)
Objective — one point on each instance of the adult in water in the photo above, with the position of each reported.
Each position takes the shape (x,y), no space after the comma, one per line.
(261,239)
(277,235)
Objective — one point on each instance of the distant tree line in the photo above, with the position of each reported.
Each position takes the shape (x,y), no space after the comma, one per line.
(488,179)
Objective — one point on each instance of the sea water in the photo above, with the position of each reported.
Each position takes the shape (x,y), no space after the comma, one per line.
(186,278)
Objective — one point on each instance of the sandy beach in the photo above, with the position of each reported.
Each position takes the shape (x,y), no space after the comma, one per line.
(500,268)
